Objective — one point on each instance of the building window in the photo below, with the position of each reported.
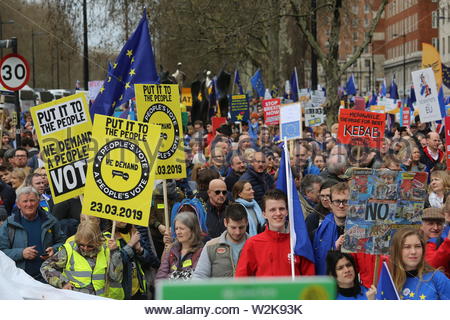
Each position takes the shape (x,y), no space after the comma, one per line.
(367,63)
(435,42)
(366,22)
(448,44)
(355,36)
(434,23)
(366,8)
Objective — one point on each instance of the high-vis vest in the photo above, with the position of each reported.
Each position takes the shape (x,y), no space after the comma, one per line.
(80,273)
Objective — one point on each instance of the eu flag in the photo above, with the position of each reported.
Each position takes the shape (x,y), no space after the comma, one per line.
(446,75)
(373,100)
(411,98)
(386,288)
(294,86)
(298,232)
(383,88)
(134,64)
(393,91)
(350,87)
(237,81)
(257,83)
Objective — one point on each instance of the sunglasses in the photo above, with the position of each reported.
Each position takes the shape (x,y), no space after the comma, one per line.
(87,246)
(224,192)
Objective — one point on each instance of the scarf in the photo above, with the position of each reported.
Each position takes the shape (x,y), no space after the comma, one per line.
(435,200)
(252,224)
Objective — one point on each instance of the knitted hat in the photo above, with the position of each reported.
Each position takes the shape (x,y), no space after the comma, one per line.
(433,214)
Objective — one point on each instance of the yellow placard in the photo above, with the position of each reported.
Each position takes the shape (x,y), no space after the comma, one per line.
(160,104)
(64,132)
(186,97)
(121,175)
(379,109)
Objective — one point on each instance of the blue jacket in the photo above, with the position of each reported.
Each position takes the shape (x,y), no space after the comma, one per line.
(360,296)
(324,239)
(434,286)
(261,182)
(51,235)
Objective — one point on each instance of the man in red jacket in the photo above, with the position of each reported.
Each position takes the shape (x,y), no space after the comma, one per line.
(268,253)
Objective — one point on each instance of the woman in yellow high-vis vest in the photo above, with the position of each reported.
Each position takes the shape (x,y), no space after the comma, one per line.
(88,264)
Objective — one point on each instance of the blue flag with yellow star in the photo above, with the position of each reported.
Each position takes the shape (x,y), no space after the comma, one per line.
(134,64)
(257,83)
(386,288)
(446,75)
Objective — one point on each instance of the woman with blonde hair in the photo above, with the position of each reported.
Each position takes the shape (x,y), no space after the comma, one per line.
(87,264)
(438,187)
(413,278)
(18,176)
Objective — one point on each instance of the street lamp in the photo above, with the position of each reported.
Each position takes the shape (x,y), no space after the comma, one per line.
(1,32)
(404,61)
(33,34)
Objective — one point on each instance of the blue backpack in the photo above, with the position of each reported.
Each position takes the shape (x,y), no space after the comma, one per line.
(196,206)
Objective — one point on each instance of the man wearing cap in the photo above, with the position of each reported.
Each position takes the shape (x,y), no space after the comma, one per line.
(437,252)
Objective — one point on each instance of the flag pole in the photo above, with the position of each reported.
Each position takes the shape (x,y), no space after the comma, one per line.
(232,85)
(290,205)
(376,269)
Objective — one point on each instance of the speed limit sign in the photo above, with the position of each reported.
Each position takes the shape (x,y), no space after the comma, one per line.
(14,72)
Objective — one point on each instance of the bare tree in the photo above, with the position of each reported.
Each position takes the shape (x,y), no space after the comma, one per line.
(329,57)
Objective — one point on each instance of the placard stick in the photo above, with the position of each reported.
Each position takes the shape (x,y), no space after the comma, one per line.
(375,272)
(166,205)
(113,231)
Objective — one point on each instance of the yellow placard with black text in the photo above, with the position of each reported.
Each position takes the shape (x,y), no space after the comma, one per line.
(160,104)
(64,132)
(186,97)
(120,177)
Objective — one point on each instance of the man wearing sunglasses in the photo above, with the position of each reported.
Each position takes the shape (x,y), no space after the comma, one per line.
(215,207)
(330,234)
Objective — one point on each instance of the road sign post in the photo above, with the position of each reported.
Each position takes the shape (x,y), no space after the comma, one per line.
(14,75)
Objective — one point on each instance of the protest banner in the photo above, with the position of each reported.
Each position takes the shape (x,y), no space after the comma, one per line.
(382,201)
(239,110)
(426,95)
(361,128)
(271,109)
(290,121)
(186,97)
(120,177)
(447,140)
(314,116)
(160,104)
(406,116)
(216,122)
(377,109)
(304,288)
(360,103)
(94,89)
(63,128)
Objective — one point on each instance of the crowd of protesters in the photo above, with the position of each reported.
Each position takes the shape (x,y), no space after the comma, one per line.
(227,218)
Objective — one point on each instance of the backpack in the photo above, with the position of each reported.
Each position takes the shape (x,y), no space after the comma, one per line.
(196,206)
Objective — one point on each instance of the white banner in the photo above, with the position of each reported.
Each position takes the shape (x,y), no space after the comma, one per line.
(426,95)
(291,121)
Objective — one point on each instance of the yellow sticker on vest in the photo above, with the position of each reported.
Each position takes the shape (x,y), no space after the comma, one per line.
(160,206)
(187,263)
(174,268)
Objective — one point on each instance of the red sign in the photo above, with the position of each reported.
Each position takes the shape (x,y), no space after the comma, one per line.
(14,72)
(271,111)
(217,122)
(360,103)
(406,117)
(361,128)
(447,140)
